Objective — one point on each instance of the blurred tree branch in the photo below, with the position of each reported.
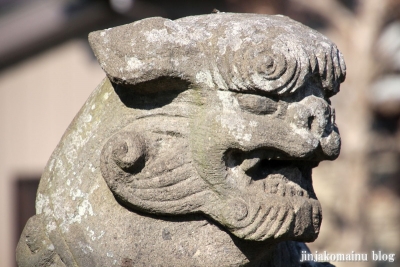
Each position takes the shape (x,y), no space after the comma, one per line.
(330,10)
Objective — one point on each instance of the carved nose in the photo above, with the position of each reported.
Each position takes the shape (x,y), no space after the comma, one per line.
(312,115)
(314,119)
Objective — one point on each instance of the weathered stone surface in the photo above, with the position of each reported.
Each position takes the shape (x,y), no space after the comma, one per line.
(196,151)
(240,52)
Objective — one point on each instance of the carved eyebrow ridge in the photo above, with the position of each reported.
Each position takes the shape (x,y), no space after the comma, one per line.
(257,104)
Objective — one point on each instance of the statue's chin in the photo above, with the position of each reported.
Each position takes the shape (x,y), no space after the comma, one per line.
(307,220)
(282,218)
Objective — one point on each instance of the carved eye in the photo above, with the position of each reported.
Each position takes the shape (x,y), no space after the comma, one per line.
(257,104)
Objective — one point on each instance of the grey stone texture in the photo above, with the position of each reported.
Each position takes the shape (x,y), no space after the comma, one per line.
(196,150)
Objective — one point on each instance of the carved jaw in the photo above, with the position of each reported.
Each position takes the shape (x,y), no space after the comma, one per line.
(265,195)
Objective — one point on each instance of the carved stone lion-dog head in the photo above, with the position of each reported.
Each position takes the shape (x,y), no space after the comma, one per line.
(238,143)
(196,150)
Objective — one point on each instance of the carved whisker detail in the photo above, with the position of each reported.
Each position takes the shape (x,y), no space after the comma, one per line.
(176,191)
(188,204)
(165,179)
(253,226)
(265,227)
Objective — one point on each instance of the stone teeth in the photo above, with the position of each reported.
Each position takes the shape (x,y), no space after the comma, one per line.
(283,188)
(291,190)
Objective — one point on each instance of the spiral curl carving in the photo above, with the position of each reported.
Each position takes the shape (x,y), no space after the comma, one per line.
(123,155)
(266,54)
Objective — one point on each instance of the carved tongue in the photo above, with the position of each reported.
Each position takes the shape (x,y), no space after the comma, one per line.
(249,163)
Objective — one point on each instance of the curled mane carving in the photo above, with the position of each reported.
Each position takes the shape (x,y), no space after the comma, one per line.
(277,55)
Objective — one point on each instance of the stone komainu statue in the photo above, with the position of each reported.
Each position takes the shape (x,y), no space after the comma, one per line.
(196,150)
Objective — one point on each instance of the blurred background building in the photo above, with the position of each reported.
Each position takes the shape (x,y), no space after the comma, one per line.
(47,71)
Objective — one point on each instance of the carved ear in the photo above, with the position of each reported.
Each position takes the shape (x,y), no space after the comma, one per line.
(138,55)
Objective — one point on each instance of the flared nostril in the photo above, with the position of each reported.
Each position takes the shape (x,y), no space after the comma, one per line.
(313,119)
(310,122)
(314,124)
(312,114)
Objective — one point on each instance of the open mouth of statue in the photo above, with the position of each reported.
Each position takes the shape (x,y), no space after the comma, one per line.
(284,202)
(279,174)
